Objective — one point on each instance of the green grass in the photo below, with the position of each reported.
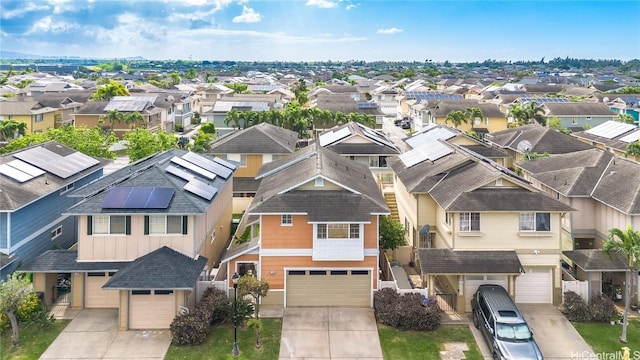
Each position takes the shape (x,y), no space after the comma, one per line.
(219,344)
(34,340)
(425,345)
(603,338)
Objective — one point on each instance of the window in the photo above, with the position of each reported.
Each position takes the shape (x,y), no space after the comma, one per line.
(140,292)
(338,231)
(105,224)
(319,182)
(39,118)
(161,224)
(469,221)
(240,158)
(286,220)
(67,188)
(448,218)
(535,222)
(56,232)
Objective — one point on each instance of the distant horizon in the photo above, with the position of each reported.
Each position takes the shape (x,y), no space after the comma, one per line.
(458,31)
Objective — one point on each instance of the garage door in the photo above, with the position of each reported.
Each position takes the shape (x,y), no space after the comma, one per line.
(471,283)
(535,286)
(328,288)
(151,309)
(95,296)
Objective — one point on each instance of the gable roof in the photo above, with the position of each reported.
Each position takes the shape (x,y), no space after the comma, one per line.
(356,139)
(163,268)
(15,194)
(541,139)
(257,139)
(618,187)
(578,109)
(357,193)
(596,260)
(445,261)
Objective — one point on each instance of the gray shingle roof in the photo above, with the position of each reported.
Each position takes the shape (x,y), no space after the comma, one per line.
(446,106)
(445,261)
(506,200)
(53,261)
(578,109)
(596,260)
(619,186)
(258,139)
(541,138)
(369,142)
(163,268)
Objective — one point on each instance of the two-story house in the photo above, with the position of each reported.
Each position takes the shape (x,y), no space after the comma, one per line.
(492,118)
(39,118)
(472,221)
(314,224)
(146,233)
(251,148)
(611,136)
(578,114)
(34,183)
(91,113)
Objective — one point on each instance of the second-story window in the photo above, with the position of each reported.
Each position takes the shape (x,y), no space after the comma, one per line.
(165,224)
(114,224)
(286,220)
(469,221)
(338,231)
(39,118)
(535,221)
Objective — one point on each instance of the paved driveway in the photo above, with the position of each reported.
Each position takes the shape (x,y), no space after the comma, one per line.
(93,334)
(329,333)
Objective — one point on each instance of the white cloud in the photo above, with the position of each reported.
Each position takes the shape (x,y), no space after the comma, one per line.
(47,25)
(60,6)
(248,16)
(351,6)
(29,7)
(391,30)
(325,4)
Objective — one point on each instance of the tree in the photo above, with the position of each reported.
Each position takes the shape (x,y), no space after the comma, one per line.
(112,116)
(13,293)
(391,233)
(142,143)
(108,91)
(233,116)
(627,243)
(132,118)
(456,117)
(473,113)
(256,288)
(633,149)
(625,118)
(175,78)
(10,129)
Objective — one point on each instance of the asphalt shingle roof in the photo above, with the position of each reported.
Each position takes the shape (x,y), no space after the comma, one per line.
(596,260)
(258,139)
(506,200)
(445,261)
(619,186)
(542,140)
(53,261)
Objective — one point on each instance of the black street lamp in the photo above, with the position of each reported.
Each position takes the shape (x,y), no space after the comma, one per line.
(235,350)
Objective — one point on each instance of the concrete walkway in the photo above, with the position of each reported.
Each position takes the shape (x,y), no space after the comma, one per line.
(93,334)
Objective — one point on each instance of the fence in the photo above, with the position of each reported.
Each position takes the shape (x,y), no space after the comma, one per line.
(446,302)
(579,287)
(201,286)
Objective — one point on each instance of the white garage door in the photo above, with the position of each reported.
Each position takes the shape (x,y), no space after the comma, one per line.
(471,283)
(95,296)
(328,288)
(535,286)
(151,309)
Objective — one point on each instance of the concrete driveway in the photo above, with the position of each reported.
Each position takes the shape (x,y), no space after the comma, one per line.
(93,334)
(550,328)
(329,333)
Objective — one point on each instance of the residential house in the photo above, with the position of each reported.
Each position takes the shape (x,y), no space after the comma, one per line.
(314,231)
(471,221)
(627,104)
(39,118)
(216,112)
(385,97)
(346,104)
(612,136)
(577,115)
(492,118)
(605,192)
(251,148)
(146,233)
(92,112)
(66,104)
(34,183)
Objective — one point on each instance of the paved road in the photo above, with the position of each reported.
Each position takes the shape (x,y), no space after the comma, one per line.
(395,134)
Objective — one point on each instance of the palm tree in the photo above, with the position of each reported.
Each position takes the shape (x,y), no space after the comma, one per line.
(456,117)
(233,116)
(133,118)
(112,116)
(625,118)
(535,112)
(626,243)
(473,113)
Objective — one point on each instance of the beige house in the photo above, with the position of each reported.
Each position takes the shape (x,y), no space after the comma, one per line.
(471,221)
(146,234)
(611,136)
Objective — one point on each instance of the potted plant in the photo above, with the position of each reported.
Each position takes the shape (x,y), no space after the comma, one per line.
(618,293)
(615,318)
(634,302)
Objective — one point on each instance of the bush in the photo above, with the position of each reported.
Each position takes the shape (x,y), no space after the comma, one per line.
(576,309)
(405,312)
(213,302)
(30,310)
(189,329)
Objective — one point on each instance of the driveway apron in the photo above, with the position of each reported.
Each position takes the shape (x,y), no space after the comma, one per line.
(93,334)
(329,333)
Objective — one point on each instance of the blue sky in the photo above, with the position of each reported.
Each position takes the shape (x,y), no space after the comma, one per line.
(310,30)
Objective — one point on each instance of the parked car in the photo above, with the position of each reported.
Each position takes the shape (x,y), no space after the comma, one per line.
(502,325)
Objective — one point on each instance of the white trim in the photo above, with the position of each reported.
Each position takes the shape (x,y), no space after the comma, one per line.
(310,179)
(251,250)
(299,252)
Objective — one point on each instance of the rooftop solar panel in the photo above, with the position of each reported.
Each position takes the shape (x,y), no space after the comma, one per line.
(26,168)
(178,172)
(116,197)
(124,197)
(430,151)
(629,138)
(196,169)
(137,198)
(610,129)
(37,156)
(14,173)
(61,166)
(430,136)
(224,163)
(207,164)
(160,198)
(85,160)
(201,189)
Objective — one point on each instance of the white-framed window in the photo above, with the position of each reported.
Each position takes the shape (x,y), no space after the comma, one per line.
(448,218)
(240,158)
(39,117)
(105,224)
(56,232)
(165,224)
(69,187)
(319,182)
(338,231)
(469,221)
(535,221)
(286,220)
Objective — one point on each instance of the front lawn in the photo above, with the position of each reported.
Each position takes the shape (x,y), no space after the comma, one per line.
(219,343)
(425,345)
(603,338)
(34,340)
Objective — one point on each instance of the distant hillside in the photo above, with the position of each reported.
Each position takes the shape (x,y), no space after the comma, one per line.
(7,55)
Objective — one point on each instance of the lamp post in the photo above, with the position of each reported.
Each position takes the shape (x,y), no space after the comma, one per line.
(235,350)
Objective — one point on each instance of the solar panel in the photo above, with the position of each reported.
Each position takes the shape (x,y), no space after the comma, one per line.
(207,164)
(138,198)
(59,169)
(14,173)
(430,136)
(85,160)
(116,197)
(201,189)
(196,169)
(178,172)
(160,198)
(224,163)
(430,151)
(367,105)
(37,156)
(25,167)
(412,157)
(629,138)
(610,129)
(61,166)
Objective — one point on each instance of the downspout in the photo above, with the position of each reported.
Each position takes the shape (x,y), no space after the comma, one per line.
(193,236)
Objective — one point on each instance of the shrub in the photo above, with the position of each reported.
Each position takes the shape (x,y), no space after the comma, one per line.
(602,309)
(30,310)
(189,329)
(406,312)
(213,302)
(576,309)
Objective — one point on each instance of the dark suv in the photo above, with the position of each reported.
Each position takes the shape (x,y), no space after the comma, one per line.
(502,325)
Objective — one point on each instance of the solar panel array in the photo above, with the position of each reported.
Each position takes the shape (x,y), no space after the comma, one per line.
(61,166)
(430,151)
(138,198)
(367,105)
(190,165)
(544,100)
(429,136)
(629,138)
(265,87)
(20,171)
(330,136)
(376,136)
(610,129)
(431,95)
(630,100)
(128,103)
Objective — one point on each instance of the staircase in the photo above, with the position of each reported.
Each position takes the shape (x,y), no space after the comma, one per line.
(390,199)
